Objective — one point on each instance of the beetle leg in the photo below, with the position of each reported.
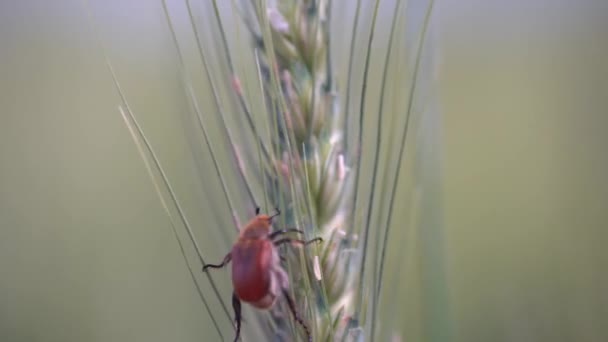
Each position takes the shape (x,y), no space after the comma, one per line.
(301,242)
(226,260)
(277,212)
(236,305)
(276,233)
(296,316)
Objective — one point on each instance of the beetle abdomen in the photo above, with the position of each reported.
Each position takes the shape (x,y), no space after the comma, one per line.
(251,270)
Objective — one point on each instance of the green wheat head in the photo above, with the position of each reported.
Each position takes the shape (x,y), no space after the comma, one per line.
(293,137)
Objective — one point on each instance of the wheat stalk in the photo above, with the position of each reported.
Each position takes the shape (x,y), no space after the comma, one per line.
(315,172)
(309,174)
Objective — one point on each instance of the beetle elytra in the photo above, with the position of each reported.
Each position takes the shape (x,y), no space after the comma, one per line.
(257,276)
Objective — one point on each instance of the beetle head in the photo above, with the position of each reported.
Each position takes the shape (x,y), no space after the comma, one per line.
(258,228)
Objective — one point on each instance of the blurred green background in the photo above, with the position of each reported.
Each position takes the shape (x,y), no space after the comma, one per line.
(525,107)
(86,253)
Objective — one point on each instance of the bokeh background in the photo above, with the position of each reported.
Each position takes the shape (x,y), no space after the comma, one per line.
(86,253)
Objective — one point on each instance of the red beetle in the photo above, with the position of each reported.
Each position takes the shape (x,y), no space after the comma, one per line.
(257,275)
